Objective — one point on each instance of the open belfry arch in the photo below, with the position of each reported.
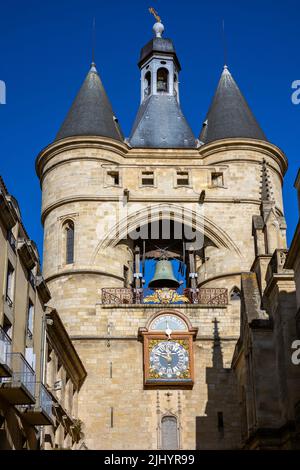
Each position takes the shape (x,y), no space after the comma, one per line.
(178,383)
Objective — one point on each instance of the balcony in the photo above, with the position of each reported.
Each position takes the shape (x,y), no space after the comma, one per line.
(5,357)
(40,414)
(204,297)
(19,389)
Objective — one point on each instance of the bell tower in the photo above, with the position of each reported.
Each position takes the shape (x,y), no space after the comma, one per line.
(149,341)
(159,66)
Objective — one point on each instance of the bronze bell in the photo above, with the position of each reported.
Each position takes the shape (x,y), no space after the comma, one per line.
(164,276)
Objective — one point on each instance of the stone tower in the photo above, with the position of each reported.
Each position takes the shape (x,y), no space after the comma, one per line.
(101,195)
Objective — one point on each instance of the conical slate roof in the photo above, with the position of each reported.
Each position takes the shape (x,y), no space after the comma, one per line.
(160,123)
(91,112)
(229,115)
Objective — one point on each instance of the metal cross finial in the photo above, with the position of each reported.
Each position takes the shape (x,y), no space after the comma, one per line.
(155,14)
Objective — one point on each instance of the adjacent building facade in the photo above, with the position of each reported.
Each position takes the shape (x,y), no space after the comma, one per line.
(29,405)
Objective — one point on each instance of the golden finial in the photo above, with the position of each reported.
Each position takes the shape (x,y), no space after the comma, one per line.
(155,14)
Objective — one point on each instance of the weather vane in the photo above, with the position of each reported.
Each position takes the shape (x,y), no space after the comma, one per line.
(155,14)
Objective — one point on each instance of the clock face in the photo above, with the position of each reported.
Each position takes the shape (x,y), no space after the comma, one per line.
(165,322)
(169,360)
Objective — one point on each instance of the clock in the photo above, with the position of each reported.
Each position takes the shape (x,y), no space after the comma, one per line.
(168,351)
(169,360)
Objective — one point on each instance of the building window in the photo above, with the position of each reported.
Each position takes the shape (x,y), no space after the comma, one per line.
(175,84)
(30,357)
(162,80)
(217,180)
(235,294)
(30,319)
(220,423)
(126,276)
(147,178)
(69,241)
(10,278)
(183,178)
(113,178)
(12,241)
(147,90)
(31,279)
(169,433)
(7,327)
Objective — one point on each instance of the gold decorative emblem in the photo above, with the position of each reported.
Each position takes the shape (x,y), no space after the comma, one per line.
(166,296)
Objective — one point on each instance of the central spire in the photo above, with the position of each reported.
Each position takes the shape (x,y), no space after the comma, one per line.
(160,122)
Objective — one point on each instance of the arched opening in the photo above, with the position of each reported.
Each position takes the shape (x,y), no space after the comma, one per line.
(235,294)
(147,85)
(175,84)
(162,80)
(69,232)
(169,433)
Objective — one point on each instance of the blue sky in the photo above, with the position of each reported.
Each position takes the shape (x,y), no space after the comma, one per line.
(45,50)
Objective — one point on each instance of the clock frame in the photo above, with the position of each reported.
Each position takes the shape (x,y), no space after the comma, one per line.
(185,339)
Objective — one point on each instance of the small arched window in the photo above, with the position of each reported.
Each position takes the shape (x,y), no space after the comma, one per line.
(169,433)
(235,294)
(162,80)
(69,241)
(147,89)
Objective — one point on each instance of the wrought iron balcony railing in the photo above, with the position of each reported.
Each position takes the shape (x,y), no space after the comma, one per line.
(45,400)
(5,357)
(20,388)
(206,297)
(22,372)
(41,412)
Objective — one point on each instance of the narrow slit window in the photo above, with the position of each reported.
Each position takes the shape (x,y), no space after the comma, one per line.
(220,423)
(69,235)
(10,284)
(126,276)
(30,319)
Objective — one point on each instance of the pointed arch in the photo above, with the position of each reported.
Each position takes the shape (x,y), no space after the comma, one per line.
(69,241)
(235,294)
(169,432)
(162,80)
(193,219)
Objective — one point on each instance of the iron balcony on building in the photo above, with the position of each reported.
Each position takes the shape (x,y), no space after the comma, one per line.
(41,413)
(204,297)
(20,387)
(5,354)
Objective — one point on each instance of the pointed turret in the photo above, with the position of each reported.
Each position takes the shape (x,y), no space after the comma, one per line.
(160,122)
(229,115)
(91,112)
